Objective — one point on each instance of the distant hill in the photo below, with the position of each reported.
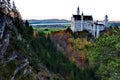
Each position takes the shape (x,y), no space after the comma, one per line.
(49,21)
(34,21)
(114,23)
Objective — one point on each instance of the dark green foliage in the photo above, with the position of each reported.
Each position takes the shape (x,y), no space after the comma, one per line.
(82,34)
(43,50)
(26,23)
(105,55)
(56,61)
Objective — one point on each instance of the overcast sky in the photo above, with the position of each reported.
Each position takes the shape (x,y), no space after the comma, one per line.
(63,9)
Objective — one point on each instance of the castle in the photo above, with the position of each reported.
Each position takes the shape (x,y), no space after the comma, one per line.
(86,22)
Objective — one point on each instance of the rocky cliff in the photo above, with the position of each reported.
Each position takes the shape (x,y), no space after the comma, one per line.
(8,17)
(14,63)
(27,57)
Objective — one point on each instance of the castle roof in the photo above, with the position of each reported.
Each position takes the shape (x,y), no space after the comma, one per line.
(99,24)
(85,17)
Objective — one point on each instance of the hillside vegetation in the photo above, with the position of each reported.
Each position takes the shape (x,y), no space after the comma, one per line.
(62,55)
(29,57)
(104,55)
(27,54)
(101,55)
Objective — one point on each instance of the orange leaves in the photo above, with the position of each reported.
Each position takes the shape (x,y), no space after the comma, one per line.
(72,59)
(34,34)
(78,44)
(82,57)
(74,47)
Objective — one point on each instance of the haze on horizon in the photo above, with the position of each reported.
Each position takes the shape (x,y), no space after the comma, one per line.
(64,9)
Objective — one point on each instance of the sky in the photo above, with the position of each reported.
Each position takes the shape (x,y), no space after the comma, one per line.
(64,9)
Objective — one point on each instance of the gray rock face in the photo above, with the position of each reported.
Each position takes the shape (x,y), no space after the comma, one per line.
(7,19)
(2,25)
(19,68)
(5,44)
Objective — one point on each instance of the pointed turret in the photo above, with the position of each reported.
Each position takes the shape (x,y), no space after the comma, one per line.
(82,22)
(106,21)
(78,11)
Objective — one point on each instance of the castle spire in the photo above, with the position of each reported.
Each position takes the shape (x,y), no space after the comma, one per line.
(82,13)
(106,21)
(78,11)
(82,22)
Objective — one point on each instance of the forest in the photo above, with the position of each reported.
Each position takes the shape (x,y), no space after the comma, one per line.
(29,54)
(78,56)
(63,55)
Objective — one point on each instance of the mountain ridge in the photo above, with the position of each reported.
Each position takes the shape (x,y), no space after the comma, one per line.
(49,21)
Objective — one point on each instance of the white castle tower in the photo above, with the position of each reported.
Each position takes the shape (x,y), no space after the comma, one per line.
(81,22)
(106,21)
(78,11)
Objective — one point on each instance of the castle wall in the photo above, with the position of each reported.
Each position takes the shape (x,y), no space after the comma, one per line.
(83,22)
(87,25)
